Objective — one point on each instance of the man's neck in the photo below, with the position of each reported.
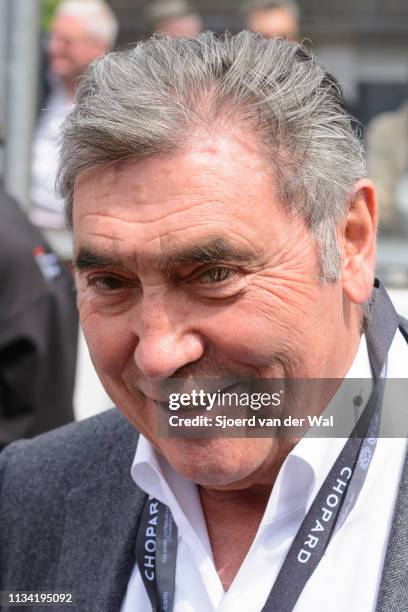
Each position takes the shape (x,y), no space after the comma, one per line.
(233,519)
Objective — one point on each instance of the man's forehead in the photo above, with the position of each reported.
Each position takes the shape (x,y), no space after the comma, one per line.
(69,26)
(216,185)
(228,152)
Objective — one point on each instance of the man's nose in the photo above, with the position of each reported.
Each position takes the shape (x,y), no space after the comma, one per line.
(165,346)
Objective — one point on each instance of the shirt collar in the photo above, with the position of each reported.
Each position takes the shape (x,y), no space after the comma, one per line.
(154,475)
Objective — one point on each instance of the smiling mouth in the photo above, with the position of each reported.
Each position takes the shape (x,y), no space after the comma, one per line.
(209,399)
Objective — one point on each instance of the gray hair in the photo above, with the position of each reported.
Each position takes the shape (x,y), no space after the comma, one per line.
(144,101)
(100,21)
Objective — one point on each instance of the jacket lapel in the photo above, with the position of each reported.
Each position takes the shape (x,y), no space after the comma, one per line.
(393,594)
(97,552)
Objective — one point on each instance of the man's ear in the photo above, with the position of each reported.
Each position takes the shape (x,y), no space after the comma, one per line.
(358,243)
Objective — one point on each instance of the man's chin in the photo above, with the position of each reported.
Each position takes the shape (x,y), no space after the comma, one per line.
(217,462)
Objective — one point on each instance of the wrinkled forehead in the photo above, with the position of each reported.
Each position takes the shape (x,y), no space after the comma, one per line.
(224,170)
(218,187)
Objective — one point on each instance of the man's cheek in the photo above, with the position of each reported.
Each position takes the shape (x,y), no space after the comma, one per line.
(266,314)
(110,347)
(266,333)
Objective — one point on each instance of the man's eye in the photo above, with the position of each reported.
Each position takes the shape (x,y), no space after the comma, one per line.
(216,275)
(106,283)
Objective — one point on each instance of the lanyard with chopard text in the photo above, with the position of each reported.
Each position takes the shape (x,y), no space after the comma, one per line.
(156,545)
(330,508)
(156,553)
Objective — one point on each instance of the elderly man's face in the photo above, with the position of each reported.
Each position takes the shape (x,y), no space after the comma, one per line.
(273,22)
(185,25)
(71,48)
(187,267)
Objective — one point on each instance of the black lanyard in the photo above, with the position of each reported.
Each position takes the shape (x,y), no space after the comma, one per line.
(156,545)
(331,506)
(156,554)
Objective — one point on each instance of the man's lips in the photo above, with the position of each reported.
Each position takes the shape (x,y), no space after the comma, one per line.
(237,387)
(179,386)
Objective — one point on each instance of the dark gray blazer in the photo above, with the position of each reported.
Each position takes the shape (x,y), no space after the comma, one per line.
(70,510)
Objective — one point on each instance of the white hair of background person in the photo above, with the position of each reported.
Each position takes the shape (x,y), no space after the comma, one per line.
(261,5)
(100,20)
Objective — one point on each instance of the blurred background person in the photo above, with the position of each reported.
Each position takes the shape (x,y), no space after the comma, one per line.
(38,330)
(173,17)
(81,31)
(273,18)
(387,157)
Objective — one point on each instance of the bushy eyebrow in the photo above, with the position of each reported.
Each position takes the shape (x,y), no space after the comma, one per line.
(211,251)
(88,260)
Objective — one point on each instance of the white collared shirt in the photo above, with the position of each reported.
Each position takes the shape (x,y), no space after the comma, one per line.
(348,576)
